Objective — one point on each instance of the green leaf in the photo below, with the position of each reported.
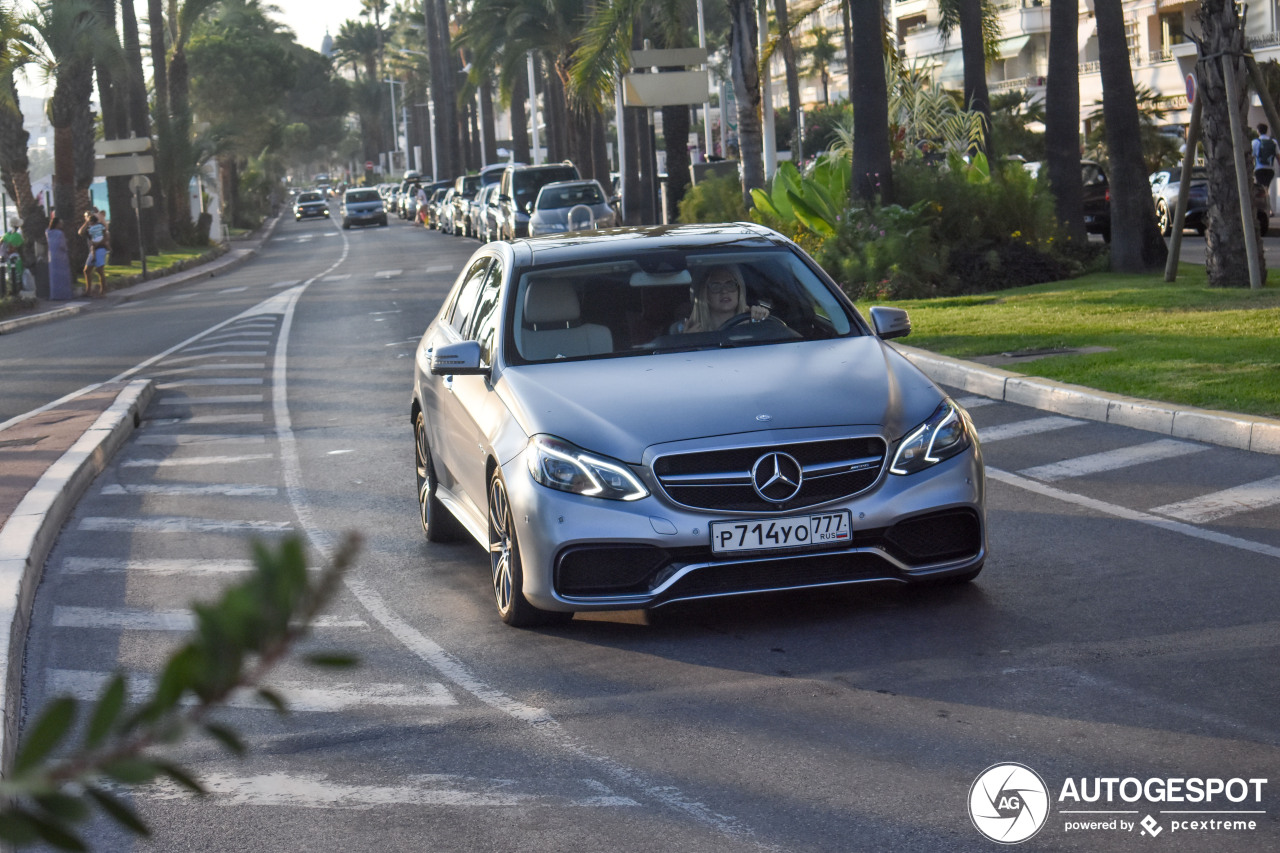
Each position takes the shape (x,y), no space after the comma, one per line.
(48,731)
(131,771)
(227,737)
(274,699)
(108,709)
(120,811)
(764,204)
(55,833)
(811,218)
(63,807)
(338,660)
(181,776)
(17,828)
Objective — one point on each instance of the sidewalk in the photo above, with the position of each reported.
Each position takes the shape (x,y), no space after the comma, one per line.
(239,251)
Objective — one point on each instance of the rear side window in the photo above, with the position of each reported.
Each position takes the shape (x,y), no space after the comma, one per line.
(463,308)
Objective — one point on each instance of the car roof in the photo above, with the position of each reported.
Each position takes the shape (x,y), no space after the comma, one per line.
(599,245)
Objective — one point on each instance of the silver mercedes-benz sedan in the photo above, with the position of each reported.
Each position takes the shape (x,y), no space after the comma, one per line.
(634,417)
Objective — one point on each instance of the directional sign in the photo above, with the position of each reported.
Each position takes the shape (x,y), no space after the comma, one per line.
(130,164)
(140,184)
(135,145)
(668,88)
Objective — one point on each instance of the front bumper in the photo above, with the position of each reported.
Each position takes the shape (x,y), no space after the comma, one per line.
(309,212)
(591,554)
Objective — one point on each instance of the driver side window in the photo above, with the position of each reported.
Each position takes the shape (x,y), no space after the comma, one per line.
(464,306)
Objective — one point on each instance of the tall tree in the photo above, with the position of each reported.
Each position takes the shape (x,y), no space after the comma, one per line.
(1222,34)
(1136,242)
(793,77)
(113,95)
(869,93)
(139,116)
(818,56)
(1062,117)
(744,68)
(444,85)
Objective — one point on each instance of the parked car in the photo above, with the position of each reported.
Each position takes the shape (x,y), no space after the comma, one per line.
(1164,189)
(480,212)
(433,206)
(518,190)
(466,187)
(310,203)
(362,206)
(445,220)
(1097,199)
(407,204)
(624,465)
(570,206)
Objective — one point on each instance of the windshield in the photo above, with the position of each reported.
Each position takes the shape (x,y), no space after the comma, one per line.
(552,197)
(363,195)
(527,182)
(675,302)
(310,197)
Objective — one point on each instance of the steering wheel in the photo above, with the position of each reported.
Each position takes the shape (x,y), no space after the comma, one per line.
(745,317)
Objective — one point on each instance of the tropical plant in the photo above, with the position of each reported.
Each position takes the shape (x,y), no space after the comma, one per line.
(57,782)
(714,199)
(814,201)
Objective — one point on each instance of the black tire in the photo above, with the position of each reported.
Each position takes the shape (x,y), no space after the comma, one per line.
(506,567)
(438,523)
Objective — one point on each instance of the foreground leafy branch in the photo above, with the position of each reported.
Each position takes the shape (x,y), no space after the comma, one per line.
(237,641)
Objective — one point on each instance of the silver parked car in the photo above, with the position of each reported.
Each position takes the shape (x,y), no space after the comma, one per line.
(629,418)
(570,206)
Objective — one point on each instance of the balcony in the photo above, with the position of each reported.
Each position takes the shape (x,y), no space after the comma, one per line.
(1030,83)
(1164,54)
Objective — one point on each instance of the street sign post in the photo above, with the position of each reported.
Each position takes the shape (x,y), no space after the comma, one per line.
(139,185)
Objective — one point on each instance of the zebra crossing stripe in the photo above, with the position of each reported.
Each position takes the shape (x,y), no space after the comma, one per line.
(1018,429)
(230,490)
(975,402)
(203,420)
(181,400)
(188,439)
(225,353)
(1211,507)
(1111,460)
(196,460)
(180,524)
(108,565)
(196,383)
(299,696)
(136,619)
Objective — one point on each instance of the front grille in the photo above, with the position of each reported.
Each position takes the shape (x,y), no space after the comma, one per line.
(721,479)
(783,573)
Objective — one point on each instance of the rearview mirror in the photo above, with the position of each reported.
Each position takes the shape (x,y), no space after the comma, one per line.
(890,322)
(460,359)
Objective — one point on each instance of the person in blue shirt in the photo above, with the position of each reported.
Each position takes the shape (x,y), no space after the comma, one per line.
(1264,158)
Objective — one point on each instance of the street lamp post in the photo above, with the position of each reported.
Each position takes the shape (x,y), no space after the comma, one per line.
(395,130)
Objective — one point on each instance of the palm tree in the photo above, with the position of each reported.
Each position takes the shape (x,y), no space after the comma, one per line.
(1062,117)
(869,93)
(444,84)
(821,53)
(744,70)
(979,25)
(139,119)
(14,165)
(1136,242)
(793,77)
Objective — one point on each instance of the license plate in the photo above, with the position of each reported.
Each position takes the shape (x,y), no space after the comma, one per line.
(771,534)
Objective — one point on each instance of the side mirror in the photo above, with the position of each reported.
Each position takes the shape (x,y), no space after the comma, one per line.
(528,208)
(460,359)
(890,322)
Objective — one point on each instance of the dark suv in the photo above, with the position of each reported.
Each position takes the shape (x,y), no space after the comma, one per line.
(519,189)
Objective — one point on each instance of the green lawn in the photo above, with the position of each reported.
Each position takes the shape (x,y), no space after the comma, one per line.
(1181,343)
(155,263)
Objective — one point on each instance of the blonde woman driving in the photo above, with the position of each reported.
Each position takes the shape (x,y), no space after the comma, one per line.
(720,298)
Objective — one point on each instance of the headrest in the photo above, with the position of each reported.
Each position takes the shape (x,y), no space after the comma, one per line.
(551,302)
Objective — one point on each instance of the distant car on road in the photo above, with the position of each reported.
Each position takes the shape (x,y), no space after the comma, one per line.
(310,203)
(363,206)
(1164,189)
(518,190)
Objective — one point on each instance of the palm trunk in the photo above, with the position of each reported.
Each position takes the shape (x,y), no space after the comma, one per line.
(163,229)
(745,72)
(793,78)
(872,165)
(974,52)
(675,126)
(520,119)
(1062,118)
(1136,242)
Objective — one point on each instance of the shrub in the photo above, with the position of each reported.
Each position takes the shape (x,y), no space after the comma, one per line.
(713,200)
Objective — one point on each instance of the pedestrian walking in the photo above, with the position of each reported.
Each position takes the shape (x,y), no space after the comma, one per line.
(1264,158)
(96,233)
(59,261)
(11,253)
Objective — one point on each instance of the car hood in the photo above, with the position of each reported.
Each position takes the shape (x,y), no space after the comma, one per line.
(620,406)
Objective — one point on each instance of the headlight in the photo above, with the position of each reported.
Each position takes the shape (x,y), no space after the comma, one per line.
(943,435)
(558,464)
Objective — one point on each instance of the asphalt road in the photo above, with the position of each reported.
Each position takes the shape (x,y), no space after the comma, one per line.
(1125,625)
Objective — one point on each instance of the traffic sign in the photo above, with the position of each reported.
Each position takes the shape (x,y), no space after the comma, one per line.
(139,184)
(133,145)
(1191,88)
(129,164)
(368,165)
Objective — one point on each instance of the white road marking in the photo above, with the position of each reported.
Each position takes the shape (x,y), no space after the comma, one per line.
(300,697)
(439,268)
(234,290)
(339,452)
(225,353)
(197,368)
(185,439)
(343,277)
(280,284)
(1211,507)
(388,273)
(195,460)
(317,791)
(178,296)
(188,383)
(974,402)
(231,490)
(181,524)
(1122,457)
(1018,429)
(205,420)
(380,313)
(95,565)
(305,239)
(242,339)
(179,400)
(137,619)
(1132,514)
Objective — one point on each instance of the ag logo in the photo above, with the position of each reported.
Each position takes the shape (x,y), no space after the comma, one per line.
(1008,803)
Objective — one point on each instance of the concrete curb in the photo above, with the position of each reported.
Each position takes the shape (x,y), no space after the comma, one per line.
(29,534)
(225,262)
(1244,432)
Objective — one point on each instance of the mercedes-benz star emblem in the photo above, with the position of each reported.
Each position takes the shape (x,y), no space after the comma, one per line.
(777,477)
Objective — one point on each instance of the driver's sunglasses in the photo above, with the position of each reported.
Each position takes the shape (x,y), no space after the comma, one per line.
(722,286)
